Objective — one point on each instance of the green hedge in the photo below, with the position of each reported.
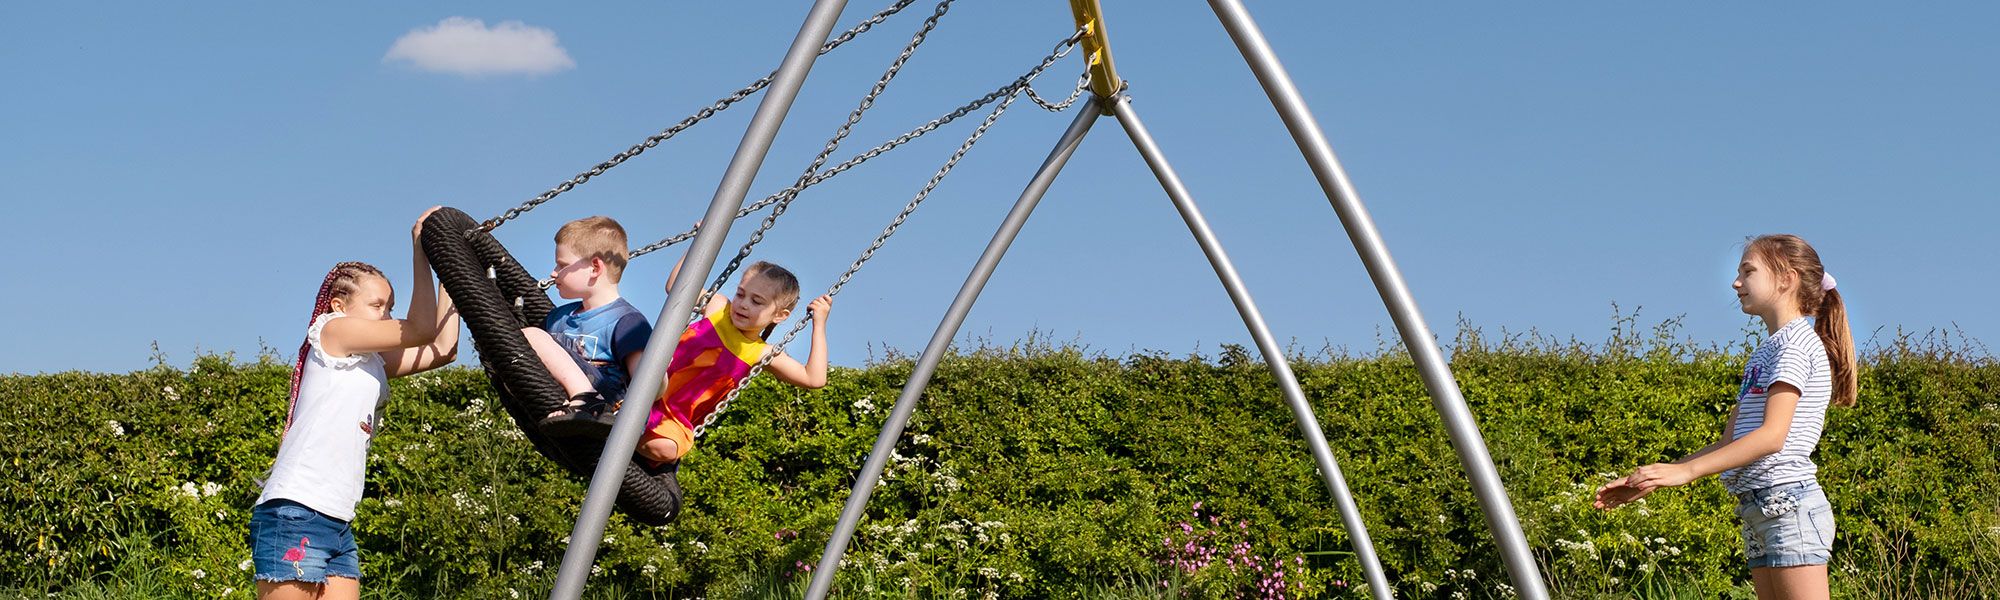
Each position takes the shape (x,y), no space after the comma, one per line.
(1028,472)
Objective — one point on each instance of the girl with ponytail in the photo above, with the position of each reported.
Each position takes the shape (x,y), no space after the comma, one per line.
(300,538)
(1765,455)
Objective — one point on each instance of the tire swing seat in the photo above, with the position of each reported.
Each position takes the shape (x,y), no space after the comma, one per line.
(496,298)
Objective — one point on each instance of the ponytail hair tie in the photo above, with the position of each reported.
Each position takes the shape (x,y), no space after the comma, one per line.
(1826,282)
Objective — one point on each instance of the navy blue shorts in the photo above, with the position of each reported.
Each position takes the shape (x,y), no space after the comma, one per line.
(609,383)
(290,542)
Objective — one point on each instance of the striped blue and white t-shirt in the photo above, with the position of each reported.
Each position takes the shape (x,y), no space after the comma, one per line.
(1794,355)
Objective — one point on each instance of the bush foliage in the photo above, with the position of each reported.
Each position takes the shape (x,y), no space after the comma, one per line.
(1029,472)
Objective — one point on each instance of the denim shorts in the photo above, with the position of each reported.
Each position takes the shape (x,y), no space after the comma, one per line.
(1786,525)
(289,542)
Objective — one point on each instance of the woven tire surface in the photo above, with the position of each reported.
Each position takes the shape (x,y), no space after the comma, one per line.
(462,256)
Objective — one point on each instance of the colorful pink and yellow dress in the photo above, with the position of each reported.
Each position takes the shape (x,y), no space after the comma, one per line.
(712,358)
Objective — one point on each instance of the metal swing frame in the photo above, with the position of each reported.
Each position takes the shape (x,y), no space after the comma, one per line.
(1110,98)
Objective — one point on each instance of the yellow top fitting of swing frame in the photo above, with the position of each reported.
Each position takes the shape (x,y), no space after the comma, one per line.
(1104,81)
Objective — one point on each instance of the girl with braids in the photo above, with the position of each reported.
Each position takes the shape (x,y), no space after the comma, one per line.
(1765,455)
(300,537)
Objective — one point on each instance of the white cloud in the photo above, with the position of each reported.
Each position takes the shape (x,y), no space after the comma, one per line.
(465,46)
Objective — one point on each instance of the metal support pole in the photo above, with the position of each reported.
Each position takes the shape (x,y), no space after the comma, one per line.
(1350,515)
(605,481)
(920,376)
(1465,437)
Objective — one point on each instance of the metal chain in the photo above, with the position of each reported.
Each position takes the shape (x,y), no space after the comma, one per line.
(774,350)
(1082,83)
(832,144)
(1020,84)
(850,163)
(690,121)
(1018,88)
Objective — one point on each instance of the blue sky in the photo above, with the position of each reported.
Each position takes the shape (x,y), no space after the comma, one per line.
(184,175)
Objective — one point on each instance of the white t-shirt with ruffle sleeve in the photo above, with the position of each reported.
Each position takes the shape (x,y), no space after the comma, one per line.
(323,457)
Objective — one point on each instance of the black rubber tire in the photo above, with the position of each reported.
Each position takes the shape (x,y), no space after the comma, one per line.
(462,256)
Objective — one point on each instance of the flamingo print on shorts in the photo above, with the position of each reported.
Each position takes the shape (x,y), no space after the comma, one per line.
(298,554)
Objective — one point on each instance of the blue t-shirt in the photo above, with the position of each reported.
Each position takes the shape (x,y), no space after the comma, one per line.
(602,336)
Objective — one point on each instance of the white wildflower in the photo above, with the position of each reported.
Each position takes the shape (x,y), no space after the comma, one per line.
(187,487)
(245,565)
(169,392)
(198,574)
(117,429)
(209,488)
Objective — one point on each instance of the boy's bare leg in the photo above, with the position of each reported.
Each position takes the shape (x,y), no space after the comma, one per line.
(660,450)
(558,361)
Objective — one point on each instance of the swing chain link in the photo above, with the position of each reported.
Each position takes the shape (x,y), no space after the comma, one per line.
(1013,92)
(832,144)
(1082,84)
(1062,50)
(690,121)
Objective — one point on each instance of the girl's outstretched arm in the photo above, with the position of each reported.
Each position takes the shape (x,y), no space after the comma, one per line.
(440,352)
(1621,491)
(812,374)
(1764,441)
(349,336)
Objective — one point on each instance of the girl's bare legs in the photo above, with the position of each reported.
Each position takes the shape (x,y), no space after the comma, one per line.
(660,450)
(335,588)
(1807,582)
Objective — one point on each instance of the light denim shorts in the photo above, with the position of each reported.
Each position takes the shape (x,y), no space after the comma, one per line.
(290,542)
(1786,525)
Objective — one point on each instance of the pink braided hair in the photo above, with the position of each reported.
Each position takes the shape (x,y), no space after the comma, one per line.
(339,283)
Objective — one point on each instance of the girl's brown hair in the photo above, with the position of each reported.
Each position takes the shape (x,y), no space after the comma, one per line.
(341,282)
(1788,253)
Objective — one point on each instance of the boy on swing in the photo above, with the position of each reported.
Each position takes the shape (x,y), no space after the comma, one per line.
(593,345)
(715,354)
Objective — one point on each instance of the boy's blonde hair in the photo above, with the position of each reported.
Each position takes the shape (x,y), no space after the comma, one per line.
(597,237)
